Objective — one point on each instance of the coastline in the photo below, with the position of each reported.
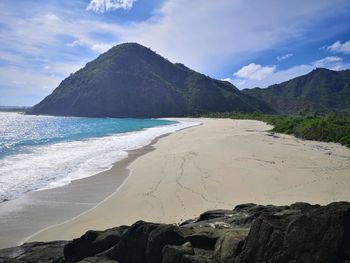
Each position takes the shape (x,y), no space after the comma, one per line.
(219,164)
(36,211)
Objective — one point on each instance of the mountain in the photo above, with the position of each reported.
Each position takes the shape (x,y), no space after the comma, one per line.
(130,80)
(321,91)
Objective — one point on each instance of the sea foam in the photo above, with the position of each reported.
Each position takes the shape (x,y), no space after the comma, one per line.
(57,164)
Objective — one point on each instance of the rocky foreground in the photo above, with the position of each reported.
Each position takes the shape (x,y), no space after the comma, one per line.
(248,233)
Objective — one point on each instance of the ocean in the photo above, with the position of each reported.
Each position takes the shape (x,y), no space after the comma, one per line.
(40,152)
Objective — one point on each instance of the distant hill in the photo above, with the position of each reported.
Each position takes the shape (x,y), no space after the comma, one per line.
(15,108)
(130,80)
(321,91)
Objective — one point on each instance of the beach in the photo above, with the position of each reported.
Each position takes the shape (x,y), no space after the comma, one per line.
(22,217)
(218,164)
(43,184)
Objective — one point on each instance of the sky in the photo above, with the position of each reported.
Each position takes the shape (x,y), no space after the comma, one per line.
(251,43)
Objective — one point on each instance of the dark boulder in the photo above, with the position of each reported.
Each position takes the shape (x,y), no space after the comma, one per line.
(92,243)
(229,246)
(144,242)
(97,260)
(162,236)
(34,252)
(311,234)
(132,246)
(213,214)
(177,254)
(204,238)
(249,233)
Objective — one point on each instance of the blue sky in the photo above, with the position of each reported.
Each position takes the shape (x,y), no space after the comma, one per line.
(248,42)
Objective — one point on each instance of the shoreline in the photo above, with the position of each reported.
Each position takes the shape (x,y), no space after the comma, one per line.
(62,198)
(122,168)
(78,150)
(217,165)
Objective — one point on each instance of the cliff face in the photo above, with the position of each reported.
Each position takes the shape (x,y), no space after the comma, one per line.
(249,233)
(130,80)
(321,90)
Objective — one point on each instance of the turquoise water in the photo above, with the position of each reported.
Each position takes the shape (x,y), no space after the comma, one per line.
(19,133)
(40,152)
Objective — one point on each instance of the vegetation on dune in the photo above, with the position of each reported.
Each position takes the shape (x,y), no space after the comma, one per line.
(327,128)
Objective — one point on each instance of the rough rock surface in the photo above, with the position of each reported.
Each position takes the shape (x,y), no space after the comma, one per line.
(248,233)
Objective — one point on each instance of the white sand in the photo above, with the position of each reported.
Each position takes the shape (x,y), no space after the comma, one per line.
(219,164)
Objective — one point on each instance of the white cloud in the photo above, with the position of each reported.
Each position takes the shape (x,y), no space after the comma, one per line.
(339,47)
(44,59)
(101,47)
(204,34)
(75,43)
(52,27)
(327,62)
(192,32)
(51,18)
(28,80)
(277,76)
(64,69)
(255,71)
(11,57)
(227,79)
(280,58)
(95,46)
(101,6)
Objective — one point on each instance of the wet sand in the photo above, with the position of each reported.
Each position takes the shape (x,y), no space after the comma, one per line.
(23,217)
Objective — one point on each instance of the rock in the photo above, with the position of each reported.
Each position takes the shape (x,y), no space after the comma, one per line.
(34,252)
(213,214)
(254,211)
(164,235)
(97,260)
(314,234)
(144,242)
(265,233)
(186,254)
(303,206)
(200,256)
(204,238)
(7,260)
(188,221)
(132,246)
(248,233)
(92,243)
(327,228)
(229,245)
(175,254)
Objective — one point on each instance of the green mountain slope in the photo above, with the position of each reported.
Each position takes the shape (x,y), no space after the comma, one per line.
(321,91)
(130,80)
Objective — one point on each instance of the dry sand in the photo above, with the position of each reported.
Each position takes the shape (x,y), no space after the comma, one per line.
(219,164)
